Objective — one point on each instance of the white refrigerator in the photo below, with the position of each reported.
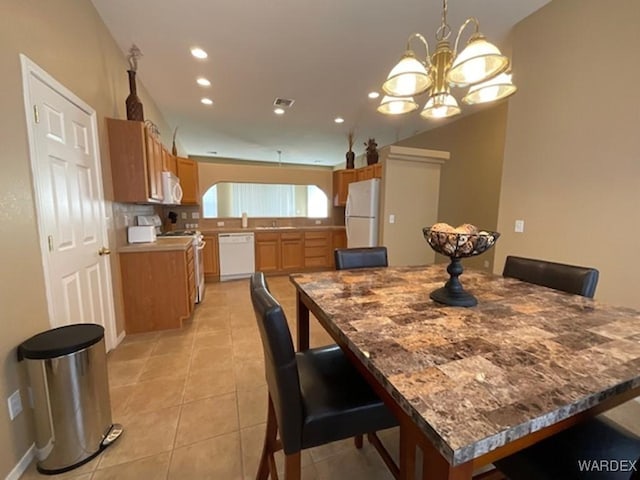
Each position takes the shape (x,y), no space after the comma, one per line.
(361,213)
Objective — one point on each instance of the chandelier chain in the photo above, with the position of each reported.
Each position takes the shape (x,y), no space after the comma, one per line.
(444,30)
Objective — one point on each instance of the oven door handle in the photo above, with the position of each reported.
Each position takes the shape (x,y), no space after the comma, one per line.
(201,245)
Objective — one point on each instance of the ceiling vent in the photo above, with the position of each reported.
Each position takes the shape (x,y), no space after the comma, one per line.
(283,102)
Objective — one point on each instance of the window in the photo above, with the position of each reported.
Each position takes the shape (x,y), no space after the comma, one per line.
(226,199)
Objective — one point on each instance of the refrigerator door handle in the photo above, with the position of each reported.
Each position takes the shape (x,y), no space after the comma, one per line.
(348,206)
(346,227)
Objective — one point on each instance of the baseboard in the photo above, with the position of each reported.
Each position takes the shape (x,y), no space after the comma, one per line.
(23,464)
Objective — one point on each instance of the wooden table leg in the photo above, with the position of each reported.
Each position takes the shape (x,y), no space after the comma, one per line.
(302,319)
(407,451)
(434,465)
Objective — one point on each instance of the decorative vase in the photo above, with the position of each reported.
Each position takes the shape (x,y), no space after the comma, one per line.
(372,151)
(351,159)
(134,105)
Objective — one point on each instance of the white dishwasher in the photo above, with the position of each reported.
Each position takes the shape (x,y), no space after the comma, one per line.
(237,255)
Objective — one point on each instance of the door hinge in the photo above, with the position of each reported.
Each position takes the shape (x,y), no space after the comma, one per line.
(36,115)
(50,242)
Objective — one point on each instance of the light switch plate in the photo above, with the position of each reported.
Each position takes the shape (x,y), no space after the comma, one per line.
(195,215)
(519,227)
(221,224)
(392,218)
(15,404)
(183,215)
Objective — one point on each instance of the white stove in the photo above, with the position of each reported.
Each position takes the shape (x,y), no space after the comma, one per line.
(198,247)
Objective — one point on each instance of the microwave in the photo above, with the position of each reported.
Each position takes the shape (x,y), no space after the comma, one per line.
(171,189)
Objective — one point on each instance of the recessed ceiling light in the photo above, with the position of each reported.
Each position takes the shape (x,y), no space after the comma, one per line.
(339,120)
(278,111)
(373,95)
(203,82)
(206,101)
(198,53)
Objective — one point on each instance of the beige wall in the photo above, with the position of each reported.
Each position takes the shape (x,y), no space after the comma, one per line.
(470,179)
(409,191)
(68,40)
(572,155)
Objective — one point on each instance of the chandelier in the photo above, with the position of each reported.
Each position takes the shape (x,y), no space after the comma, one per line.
(480,66)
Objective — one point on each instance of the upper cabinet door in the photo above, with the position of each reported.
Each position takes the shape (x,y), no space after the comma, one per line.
(129,163)
(154,166)
(188,174)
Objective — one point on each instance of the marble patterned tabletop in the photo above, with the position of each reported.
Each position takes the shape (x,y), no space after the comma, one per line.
(474,379)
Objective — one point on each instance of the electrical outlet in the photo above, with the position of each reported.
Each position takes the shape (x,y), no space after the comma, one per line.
(195,215)
(519,227)
(486,264)
(15,404)
(318,222)
(127,220)
(183,215)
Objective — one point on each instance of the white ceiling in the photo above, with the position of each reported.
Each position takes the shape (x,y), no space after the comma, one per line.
(324,54)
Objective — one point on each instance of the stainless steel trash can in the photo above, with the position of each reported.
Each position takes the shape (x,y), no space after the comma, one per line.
(68,375)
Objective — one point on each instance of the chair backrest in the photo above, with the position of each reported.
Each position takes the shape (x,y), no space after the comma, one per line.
(567,278)
(348,258)
(281,369)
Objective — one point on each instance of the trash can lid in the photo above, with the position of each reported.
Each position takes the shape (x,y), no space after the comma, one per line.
(61,341)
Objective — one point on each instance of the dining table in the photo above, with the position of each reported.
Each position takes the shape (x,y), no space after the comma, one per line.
(472,385)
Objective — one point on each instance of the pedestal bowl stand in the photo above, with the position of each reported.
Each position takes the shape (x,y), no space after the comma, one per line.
(457,246)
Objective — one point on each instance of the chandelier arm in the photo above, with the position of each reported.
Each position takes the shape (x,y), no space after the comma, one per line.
(469,20)
(426,46)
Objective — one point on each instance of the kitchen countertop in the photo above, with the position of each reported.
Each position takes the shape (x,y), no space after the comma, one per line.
(213,231)
(162,244)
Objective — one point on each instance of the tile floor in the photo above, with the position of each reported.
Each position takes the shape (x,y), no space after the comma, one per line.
(193,401)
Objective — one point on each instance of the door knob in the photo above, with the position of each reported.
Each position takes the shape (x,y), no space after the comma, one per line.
(104,251)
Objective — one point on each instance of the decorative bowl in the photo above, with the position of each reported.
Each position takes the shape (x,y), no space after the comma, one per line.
(456,243)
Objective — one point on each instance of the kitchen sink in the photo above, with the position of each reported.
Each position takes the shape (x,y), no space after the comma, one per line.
(273,228)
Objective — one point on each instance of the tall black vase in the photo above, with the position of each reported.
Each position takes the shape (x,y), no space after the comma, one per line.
(372,157)
(351,159)
(134,105)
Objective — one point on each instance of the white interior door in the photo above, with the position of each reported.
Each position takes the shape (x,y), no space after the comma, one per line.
(70,203)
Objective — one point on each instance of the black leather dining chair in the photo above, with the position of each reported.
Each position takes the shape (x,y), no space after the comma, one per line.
(315,396)
(594,450)
(559,276)
(348,258)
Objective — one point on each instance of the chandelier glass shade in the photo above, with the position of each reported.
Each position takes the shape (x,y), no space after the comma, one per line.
(397,105)
(480,66)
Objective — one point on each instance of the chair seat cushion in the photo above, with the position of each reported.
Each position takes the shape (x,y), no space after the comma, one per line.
(338,403)
(587,444)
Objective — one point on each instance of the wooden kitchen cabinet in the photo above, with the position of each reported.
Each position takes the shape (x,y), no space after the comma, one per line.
(318,249)
(267,250)
(158,289)
(210,257)
(169,162)
(188,174)
(341,181)
(136,162)
(291,251)
(364,173)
